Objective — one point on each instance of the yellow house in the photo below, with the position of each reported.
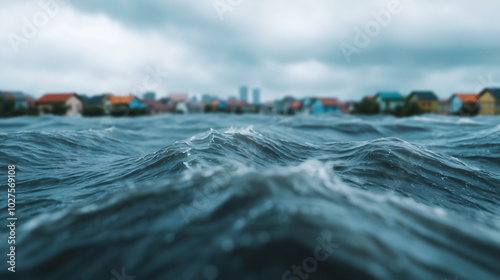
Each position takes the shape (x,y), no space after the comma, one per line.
(489,101)
(426,100)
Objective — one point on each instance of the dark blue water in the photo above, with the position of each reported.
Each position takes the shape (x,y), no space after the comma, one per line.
(253,197)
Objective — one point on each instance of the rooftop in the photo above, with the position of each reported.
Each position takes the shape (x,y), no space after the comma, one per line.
(389,95)
(55,97)
(121,100)
(424,95)
(494,91)
(467,97)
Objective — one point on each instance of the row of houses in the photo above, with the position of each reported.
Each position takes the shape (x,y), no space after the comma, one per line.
(19,99)
(487,102)
(107,104)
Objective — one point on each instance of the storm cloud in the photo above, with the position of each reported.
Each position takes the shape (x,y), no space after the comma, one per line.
(284,47)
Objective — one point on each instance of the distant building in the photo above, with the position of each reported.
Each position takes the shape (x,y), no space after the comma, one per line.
(219,105)
(443,106)
(18,98)
(256,96)
(97,100)
(489,100)
(46,103)
(347,107)
(158,108)
(389,101)
(285,105)
(207,98)
(30,101)
(194,100)
(194,108)
(244,94)
(179,101)
(149,96)
(130,101)
(178,97)
(267,107)
(458,100)
(426,100)
(325,106)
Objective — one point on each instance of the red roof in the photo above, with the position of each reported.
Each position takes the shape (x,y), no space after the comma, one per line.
(55,97)
(120,100)
(216,103)
(329,101)
(467,97)
(296,105)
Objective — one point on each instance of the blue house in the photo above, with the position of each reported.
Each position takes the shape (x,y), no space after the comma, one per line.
(325,106)
(389,100)
(458,100)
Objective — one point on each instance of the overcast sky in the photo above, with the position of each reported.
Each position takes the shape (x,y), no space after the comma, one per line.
(284,47)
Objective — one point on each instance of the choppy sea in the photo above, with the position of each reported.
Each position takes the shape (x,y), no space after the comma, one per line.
(253,197)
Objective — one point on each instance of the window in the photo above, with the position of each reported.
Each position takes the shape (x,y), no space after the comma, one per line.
(491,106)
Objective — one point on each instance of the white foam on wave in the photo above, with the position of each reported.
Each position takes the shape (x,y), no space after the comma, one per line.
(467,120)
(243,131)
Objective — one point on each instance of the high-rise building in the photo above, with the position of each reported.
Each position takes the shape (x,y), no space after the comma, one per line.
(256,96)
(244,94)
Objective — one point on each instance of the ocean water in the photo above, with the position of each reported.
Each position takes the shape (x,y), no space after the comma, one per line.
(253,197)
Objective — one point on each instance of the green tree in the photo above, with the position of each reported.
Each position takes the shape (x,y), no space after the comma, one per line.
(469,109)
(208,108)
(238,110)
(93,111)
(59,109)
(366,107)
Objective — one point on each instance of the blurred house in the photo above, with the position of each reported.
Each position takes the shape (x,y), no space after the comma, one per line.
(426,100)
(179,101)
(267,107)
(49,101)
(443,106)
(158,108)
(4,96)
(219,105)
(97,100)
(347,107)
(130,101)
(284,106)
(30,101)
(325,106)
(16,96)
(389,101)
(459,100)
(232,103)
(489,101)
(297,106)
(178,97)
(194,106)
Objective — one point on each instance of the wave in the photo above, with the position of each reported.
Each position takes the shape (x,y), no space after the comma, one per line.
(235,220)
(177,197)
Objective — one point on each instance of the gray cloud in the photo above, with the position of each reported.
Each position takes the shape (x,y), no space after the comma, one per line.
(283,47)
